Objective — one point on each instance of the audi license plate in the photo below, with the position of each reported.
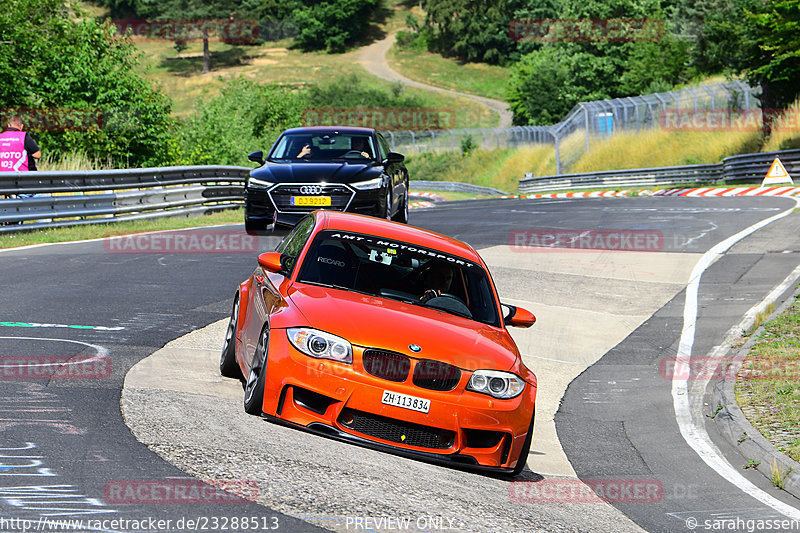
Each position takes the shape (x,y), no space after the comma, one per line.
(406,402)
(311,200)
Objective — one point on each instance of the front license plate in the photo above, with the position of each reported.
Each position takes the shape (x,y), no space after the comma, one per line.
(406,402)
(311,200)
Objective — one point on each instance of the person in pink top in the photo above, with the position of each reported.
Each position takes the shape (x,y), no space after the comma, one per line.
(18,150)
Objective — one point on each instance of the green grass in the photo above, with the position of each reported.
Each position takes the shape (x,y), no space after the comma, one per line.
(180,76)
(452,196)
(98,231)
(656,148)
(433,69)
(768,384)
(501,169)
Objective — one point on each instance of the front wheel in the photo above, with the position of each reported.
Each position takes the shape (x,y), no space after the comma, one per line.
(526,449)
(254,386)
(227,361)
(388,211)
(402,213)
(254,228)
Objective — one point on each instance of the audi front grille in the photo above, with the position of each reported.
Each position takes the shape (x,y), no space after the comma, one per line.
(281,195)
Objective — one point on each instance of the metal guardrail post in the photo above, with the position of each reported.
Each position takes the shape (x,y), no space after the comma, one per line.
(586,129)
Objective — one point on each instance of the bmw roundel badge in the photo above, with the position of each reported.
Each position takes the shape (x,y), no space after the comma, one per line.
(416,348)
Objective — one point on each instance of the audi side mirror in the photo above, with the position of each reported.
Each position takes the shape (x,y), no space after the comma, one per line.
(256,157)
(394,157)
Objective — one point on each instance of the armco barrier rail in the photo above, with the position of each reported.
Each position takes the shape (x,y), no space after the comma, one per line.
(31,200)
(736,169)
(453,186)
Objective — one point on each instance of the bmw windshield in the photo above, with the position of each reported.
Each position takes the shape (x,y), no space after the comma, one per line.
(392,269)
(324,146)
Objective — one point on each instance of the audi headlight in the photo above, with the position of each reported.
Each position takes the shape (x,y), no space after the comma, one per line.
(321,345)
(369,184)
(503,385)
(259,184)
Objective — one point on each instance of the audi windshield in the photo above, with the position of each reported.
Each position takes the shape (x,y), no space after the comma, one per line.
(324,146)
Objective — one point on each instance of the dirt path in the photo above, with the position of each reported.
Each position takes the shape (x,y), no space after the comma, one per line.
(373,58)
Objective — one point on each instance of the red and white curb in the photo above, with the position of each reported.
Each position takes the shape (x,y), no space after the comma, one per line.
(586,194)
(429,195)
(702,192)
(430,200)
(729,191)
(695,192)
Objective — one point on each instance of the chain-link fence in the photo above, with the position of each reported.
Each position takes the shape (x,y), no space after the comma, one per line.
(590,121)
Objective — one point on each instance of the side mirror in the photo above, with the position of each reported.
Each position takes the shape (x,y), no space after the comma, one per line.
(519,317)
(256,157)
(271,262)
(394,157)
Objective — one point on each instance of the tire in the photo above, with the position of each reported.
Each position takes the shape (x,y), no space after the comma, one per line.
(254,228)
(402,213)
(526,449)
(388,211)
(254,385)
(227,360)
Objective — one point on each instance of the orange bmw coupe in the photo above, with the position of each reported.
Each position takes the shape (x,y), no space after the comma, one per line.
(384,335)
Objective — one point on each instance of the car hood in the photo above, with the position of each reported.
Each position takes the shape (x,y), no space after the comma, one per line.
(312,172)
(393,325)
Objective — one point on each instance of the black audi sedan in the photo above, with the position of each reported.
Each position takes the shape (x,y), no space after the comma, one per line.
(325,167)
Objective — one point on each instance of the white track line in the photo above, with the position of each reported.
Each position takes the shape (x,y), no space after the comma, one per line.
(696,435)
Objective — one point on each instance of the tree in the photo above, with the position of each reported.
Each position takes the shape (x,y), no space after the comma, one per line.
(56,60)
(245,117)
(472,30)
(332,24)
(207,12)
(772,39)
(599,61)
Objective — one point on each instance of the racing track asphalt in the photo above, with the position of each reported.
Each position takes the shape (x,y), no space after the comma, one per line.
(81,441)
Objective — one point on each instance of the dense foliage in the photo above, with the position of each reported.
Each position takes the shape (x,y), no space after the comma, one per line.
(79,86)
(757,39)
(332,25)
(245,117)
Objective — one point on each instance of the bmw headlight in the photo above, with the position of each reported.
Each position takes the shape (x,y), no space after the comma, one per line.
(503,385)
(369,184)
(321,345)
(259,184)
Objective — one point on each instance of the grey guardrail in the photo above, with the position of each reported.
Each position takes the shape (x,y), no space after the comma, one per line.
(70,198)
(453,186)
(735,169)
